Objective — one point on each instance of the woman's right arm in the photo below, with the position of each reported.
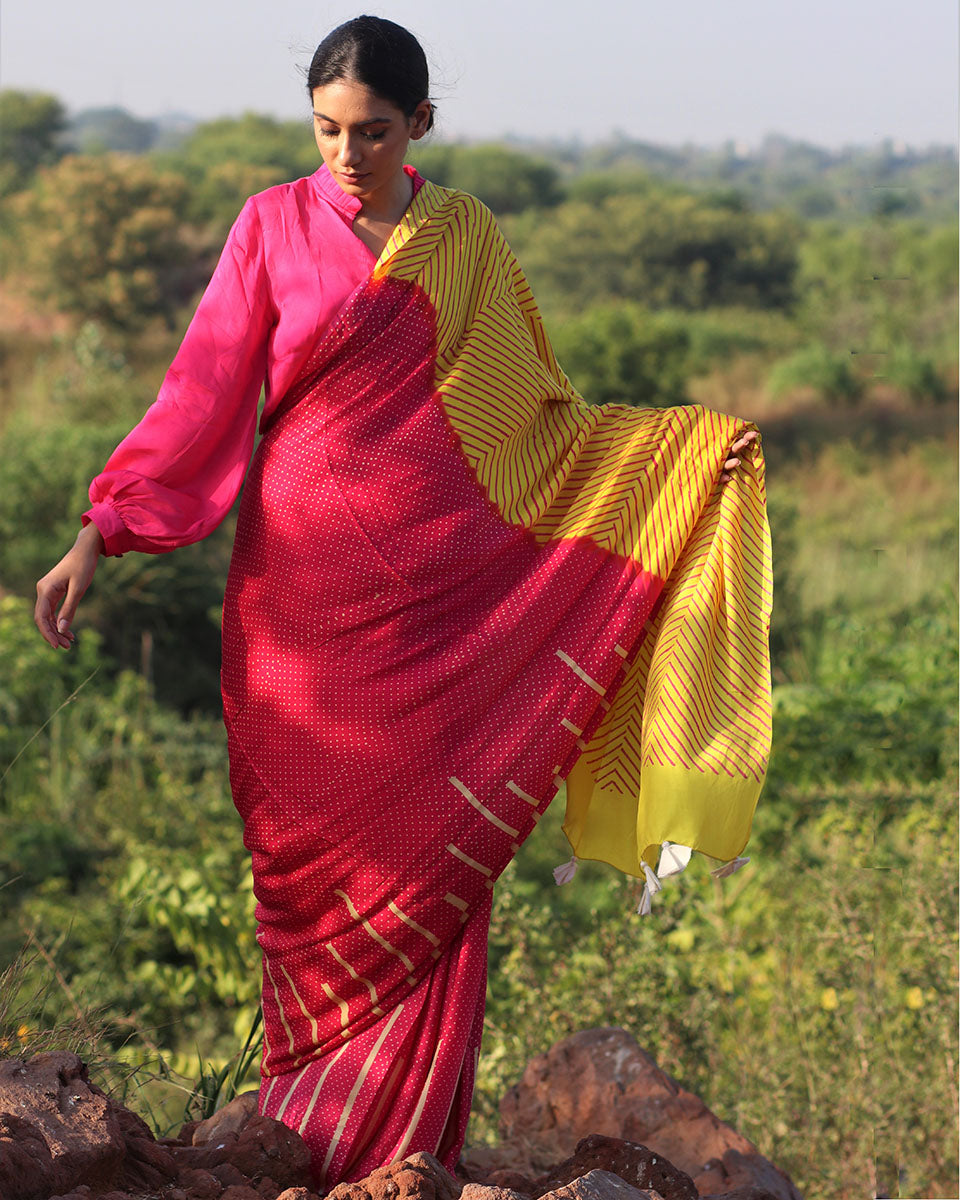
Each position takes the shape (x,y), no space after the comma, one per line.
(175,476)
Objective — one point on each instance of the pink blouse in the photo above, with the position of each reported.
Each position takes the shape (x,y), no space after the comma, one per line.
(290,263)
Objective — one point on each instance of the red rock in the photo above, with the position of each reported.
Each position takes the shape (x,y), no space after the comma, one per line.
(601,1080)
(297,1193)
(512,1181)
(227,1173)
(636,1165)
(75,1120)
(229,1119)
(419,1177)
(24,1158)
(240,1191)
(484,1191)
(146,1165)
(602,1185)
(737,1172)
(200,1184)
(263,1147)
(184,1137)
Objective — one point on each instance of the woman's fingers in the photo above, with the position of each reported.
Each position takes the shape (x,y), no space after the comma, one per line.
(65,586)
(68,609)
(49,594)
(741,444)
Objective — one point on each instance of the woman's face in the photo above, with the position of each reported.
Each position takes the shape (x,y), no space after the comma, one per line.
(362,138)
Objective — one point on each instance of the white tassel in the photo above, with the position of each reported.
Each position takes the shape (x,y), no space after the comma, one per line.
(650,889)
(728,868)
(673,859)
(566,871)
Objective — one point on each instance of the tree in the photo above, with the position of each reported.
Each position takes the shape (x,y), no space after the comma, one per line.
(30,126)
(659,249)
(625,354)
(98,129)
(229,159)
(102,238)
(505,180)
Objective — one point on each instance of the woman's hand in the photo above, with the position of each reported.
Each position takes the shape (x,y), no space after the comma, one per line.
(68,580)
(733,461)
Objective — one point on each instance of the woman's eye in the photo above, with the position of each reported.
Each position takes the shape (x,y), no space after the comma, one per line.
(328,132)
(375,137)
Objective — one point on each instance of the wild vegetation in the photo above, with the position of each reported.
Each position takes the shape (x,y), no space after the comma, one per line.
(811,998)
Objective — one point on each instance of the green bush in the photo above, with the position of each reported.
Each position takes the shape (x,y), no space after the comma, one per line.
(826,372)
(624,354)
(914,373)
(506,180)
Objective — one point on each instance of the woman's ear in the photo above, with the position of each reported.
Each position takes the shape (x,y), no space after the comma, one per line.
(420,119)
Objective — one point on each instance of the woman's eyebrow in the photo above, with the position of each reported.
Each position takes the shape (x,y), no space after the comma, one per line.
(374,121)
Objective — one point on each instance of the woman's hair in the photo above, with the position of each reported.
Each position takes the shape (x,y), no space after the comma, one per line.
(383,56)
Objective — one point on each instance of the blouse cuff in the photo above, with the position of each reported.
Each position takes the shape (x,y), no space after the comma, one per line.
(112,529)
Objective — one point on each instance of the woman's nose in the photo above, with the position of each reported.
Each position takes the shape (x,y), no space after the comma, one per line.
(349,151)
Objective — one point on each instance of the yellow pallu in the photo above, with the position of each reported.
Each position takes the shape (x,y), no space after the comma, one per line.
(680,755)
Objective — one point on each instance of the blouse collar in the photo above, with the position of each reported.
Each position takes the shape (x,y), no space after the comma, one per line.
(349,206)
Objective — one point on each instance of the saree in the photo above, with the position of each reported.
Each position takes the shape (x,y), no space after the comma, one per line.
(456,588)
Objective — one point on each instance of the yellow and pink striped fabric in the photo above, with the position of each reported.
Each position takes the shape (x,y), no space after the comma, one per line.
(682,752)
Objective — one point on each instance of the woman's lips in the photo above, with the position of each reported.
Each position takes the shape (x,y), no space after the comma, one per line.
(352,178)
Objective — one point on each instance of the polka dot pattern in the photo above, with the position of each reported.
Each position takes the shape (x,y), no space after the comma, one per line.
(405,673)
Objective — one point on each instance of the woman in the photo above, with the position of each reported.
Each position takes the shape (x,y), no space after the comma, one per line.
(454,586)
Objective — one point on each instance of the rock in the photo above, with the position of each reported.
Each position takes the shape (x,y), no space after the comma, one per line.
(297,1193)
(229,1119)
(512,1181)
(147,1165)
(602,1185)
(24,1158)
(70,1116)
(742,1174)
(419,1177)
(636,1165)
(227,1173)
(262,1147)
(240,1191)
(483,1191)
(484,1165)
(601,1080)
(200,1184)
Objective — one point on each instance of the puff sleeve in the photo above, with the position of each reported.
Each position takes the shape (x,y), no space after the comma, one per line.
(175,476)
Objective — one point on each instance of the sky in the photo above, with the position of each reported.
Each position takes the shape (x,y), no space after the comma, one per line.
(832,72)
